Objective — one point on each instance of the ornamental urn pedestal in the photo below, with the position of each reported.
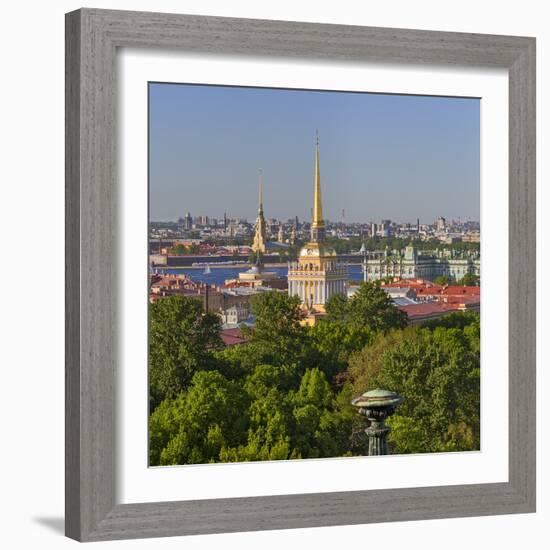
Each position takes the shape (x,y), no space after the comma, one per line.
(377,405)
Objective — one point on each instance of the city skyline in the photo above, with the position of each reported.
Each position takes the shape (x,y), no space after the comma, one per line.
(290,219)
(383,156)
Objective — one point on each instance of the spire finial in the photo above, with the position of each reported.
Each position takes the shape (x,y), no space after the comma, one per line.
(317,222)
(260,190)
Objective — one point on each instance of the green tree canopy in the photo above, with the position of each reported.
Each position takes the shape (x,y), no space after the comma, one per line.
(331,343)
(181,340)
(178,250)
(194,427)
(469,279)
(370,307)
(277,336)
(437,371)
(286,392)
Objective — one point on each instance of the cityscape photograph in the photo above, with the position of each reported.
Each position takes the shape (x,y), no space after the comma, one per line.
(313,274)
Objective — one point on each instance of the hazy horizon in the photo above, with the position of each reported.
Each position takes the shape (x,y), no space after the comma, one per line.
(381,156)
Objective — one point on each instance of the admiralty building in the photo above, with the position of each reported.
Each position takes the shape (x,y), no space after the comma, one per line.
(317,275)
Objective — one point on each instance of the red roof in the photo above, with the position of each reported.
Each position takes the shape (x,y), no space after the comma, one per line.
(462,300)
(232,336)
(439,308)
(461,291)
(412,283)
(427,288)
(428,308)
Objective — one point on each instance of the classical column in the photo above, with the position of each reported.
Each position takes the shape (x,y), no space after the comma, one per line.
(377,405)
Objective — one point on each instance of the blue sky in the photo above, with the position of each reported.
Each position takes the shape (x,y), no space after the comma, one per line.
(382,156)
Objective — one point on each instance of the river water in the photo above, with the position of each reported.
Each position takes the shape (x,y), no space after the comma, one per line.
(218,275)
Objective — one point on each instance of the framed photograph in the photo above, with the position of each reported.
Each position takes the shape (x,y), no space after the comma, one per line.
(300,275)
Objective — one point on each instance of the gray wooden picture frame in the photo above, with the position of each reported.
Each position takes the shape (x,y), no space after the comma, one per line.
(92,39)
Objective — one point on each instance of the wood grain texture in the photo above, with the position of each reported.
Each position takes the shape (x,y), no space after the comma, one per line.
(522,274)
(72,276)
(92,37)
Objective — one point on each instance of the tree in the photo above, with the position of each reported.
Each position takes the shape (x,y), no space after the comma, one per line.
(267,437)
(442,280)
(178,250)
(181,340)
(269,415)
(277,336)
(469,279)
(370,307)
(366,364)
(437,371)
(332,342)
(292,417)
(266,377)
(457,319)
(337,308)
(322,426)
(194,427)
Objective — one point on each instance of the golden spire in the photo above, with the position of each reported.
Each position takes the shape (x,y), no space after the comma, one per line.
(260,191)
(317,221)
(260,234)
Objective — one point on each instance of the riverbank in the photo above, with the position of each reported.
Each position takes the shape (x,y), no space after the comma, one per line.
(224,272)
(225,266)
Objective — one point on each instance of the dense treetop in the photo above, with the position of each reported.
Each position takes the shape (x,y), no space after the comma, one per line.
(286,393)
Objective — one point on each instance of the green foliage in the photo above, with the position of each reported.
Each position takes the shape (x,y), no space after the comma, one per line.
(457,319)
(332,342)
(365,364)
(181,340)
(193,428)
(437,371)
(277,336)
(286,393)
(277,315)
(351,244)
(443,280)
(337,308)
(370,307)
(180,249)
(267,377)
(290,423)
(469,279)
